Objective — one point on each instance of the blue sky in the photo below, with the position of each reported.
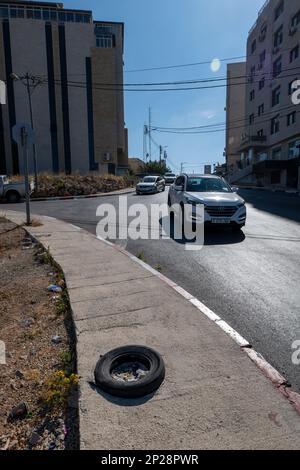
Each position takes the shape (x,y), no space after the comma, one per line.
(167,32)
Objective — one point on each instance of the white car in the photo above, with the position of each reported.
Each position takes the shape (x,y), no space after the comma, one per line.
(151,185)
(222,204)
(169,178)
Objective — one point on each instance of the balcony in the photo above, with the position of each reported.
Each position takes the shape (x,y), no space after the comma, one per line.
(254,141)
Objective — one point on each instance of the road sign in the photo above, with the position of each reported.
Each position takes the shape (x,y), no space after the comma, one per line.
(17,133)
(2,93)
(207,169)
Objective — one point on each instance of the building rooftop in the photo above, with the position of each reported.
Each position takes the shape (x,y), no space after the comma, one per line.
(31,3)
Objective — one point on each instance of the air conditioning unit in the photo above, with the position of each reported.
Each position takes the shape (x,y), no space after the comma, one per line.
(107,157)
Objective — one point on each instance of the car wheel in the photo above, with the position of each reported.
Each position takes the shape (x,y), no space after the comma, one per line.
(12,197)
(130,372)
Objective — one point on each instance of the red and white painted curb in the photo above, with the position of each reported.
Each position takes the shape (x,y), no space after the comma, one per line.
(265,367)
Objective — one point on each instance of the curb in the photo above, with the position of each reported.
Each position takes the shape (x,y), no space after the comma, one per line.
(293,193)
(278,381)
(88,196)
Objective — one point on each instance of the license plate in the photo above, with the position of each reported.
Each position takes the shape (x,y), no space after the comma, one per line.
(220,220)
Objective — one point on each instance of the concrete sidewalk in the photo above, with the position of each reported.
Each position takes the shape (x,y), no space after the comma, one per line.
(214,397)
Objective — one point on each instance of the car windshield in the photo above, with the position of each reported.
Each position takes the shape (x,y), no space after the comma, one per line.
(149,179)
(169,175)
(207,185)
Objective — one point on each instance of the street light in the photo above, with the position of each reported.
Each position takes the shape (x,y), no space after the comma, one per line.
(30,84)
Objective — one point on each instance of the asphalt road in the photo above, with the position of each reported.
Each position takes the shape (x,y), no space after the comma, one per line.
(251,280)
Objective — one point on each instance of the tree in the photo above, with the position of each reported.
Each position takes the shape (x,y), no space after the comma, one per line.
(157,168)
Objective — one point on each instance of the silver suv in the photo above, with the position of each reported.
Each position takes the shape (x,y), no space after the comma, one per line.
(222,206)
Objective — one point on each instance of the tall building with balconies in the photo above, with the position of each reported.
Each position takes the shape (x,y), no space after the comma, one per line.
(270,147)
(76,70)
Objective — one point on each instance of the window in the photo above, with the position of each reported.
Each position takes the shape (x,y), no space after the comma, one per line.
(53,15)
(205,185)
(46,15)
(17,12)
(251,119)
(70,16)
(263,33)
(276,154)
(277,67)
(61,16)
(37,14)
(261,83)
(29,13)
(252,95)
(260,133)
(262,58)
(104,42)
(278,37)
(279,10)
(295,20)
(4,12)
(13,12)
(261,109)
(291,118)
(276,96)
(290,88)
(275,125)
(252,73)
(253,47)
(79,18)
(294,149)
(294,54)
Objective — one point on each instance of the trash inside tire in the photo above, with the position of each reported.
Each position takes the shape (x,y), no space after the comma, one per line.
(130,372)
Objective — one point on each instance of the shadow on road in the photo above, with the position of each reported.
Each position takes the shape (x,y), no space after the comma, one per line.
(280,204)
(212,235)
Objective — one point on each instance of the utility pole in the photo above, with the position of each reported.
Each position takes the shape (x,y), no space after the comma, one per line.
(160,154)
(30,84)
(145,132)
(149,133)
(27,78)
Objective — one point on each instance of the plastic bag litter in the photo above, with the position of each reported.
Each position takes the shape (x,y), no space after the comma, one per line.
(54,288)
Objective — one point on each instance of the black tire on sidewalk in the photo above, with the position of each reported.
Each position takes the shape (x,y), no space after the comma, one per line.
(135,389)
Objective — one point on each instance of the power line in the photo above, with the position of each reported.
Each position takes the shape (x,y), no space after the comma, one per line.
(122,89)
(185,82)
(244,119)
(206,62)
(219,130)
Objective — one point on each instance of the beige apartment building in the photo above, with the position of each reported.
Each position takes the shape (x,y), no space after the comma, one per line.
(76,65)
(270,140)
(235,114)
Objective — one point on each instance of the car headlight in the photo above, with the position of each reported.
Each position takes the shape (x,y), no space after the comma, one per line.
(241,204)
(193,201)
